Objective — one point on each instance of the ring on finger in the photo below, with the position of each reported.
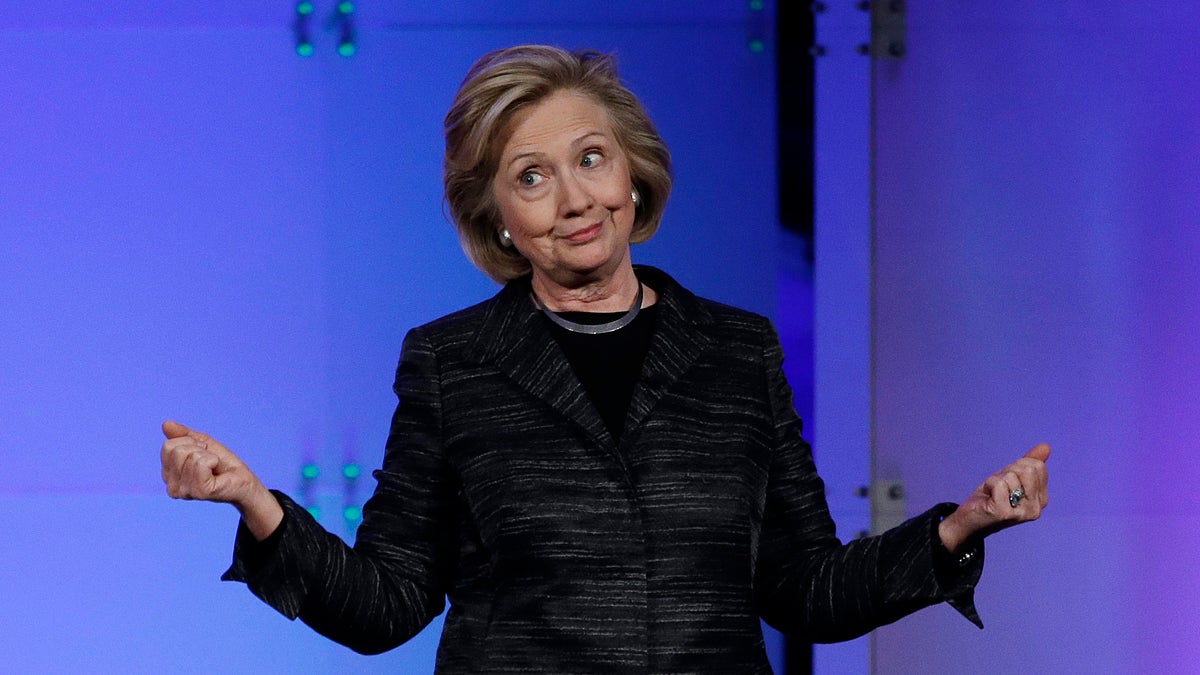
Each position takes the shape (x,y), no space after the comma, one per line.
(1015,497)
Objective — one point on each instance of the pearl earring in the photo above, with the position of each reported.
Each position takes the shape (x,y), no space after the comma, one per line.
(637,200)
(505,238)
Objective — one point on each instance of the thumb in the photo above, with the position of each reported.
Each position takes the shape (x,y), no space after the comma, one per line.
(1040,452)
(172,429)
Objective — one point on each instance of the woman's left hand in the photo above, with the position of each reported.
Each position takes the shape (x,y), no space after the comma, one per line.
(1015,494)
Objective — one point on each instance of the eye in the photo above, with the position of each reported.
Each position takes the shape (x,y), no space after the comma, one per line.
(591,158)
(530,179)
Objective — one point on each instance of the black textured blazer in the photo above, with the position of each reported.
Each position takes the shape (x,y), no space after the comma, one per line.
(561,551)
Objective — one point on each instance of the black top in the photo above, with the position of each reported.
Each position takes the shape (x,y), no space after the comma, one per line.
(503,493)
(607,364)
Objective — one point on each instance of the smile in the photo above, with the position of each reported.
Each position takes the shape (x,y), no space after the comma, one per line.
(585,235)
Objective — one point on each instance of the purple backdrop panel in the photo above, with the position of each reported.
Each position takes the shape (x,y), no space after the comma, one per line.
(163,250)
(1035,281)
(138,594)
(199,224)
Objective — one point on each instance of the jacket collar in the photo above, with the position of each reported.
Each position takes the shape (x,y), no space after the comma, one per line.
(515,338)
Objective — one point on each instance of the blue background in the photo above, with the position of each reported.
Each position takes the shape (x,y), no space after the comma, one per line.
(198,224)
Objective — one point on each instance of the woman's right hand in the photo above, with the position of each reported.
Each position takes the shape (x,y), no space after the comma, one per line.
(195,466)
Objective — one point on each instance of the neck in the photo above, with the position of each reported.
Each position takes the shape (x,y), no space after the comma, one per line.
(613,293)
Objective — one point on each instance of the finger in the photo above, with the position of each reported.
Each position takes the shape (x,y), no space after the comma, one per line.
(1045,487)
(172,445)
(1026,498)
(205,462)
(178,462)
(1042,480)
(196,475)
(174,452)
(1013,494)
(173,429)
(1040,452)
(172,471)
(998,490)
(1033,477)
(199,436)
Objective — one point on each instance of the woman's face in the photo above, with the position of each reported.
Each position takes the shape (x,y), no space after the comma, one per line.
(563,190)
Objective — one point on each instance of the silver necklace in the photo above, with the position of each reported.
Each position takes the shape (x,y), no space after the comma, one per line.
(590,328)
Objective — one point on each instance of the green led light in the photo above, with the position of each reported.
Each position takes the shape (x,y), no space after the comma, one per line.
(304,48)
(304,8)
(351,471)
(757,5)
(352,513)
(309,471)
(347,49)
(314,511)
(345,7)
(757,46)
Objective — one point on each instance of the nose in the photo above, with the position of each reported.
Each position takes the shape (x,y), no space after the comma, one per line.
(574,198)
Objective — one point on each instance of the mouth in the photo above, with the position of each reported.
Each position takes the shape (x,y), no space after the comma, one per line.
(585,235)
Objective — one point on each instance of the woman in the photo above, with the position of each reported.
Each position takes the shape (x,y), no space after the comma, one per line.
(600,471)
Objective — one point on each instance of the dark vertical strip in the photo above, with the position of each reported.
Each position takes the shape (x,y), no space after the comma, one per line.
(798,657)
(795,37)
(796,31)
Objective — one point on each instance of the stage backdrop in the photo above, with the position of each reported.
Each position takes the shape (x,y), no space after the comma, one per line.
(1032,276)
(197,223)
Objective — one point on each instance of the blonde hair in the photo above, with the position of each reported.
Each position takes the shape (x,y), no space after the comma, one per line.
(505,81)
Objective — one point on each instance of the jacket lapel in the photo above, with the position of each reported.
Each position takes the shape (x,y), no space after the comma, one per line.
(680,336)
(515,338)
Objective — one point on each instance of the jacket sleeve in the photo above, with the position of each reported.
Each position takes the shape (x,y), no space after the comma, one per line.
(392,583)
(807,582)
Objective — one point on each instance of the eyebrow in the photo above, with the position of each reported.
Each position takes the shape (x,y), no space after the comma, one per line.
(582,139)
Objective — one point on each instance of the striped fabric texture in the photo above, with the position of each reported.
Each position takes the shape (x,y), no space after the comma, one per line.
(561,551)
